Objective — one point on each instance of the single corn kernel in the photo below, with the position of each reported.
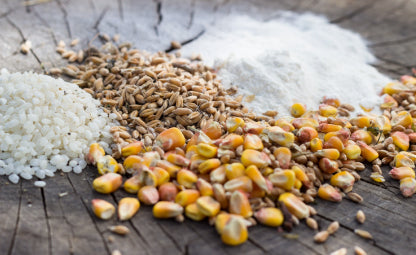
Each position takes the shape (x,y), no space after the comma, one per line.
(218,175)
(331,101)
(253,157)
(284,179)
(95,153)
(269,216)
(196,161)
(187,196)
(407,186)
(204,187)
(253,127)
(328,166)
(255,175)
(107,164)
(219,195)
(132,162)
(343,180)
(162,176)
(132,149)
(208,206)
(361,121)
(148,195)
(107,183)
(165,210)
(192,212)
(409,155)
(209,165)
(283,155)
(329,193)
(284,124)
(377,177)
(316,144)
(252,141)
(190,151)
(127,208)
(231,142)
(352,150)
(212,129)
(401,140)
(362,135)
(301,176)
(306,134)
(412,137)
(102,209)
(402,160)
(170,139)
(327,110)
(169,167)
(332,154)
(334,142)
(389,102)
(240,205)
(177,159)
(367,152)
(305,122)
(399,173)
(383,123)
(203,138)
(326,128)
(408,80)
(298,184)
(132,185)
(279,136)
(233,123)
(150,158)
(234,170)
(243,183)
(221,220)
(147,178)
(186,178)
(206,150)
(297,110)
(394,88)
(402,118)
(168,191)
(294,205)
(235,232)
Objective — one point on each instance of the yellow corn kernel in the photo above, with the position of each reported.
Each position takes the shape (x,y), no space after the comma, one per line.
(383,123)
(327,110)
(361,121)
(294,205)
(107,183)
(305,122)
(408,80)
(306,134)
(388,102)
(316,144)
(186,178)
(218,175)
(298,184)
(377,177)
(279,136)
(204,187)
(343,180)
(107,164)
(328,153)
(328,192)
(190,151)
(243,183)
(283,179)
(394,88)
(252,141)
(192,212)
(147,178)
(162,176)
(328,166)
(235,232)
(127,208)
(352,150)
(221,220)
(233,123)
(169,167)
(403,160)
(206,150)
(401,140)
(208,165)
(283,155)
(170,139)
(301,176)
(399,173)
(208,206)
(267,171)
(408,186)
(168,191)
(165,209)
(269,216)
(240,205)
(255,175)
(284,124)
(177,159)
(132,149)
(132,185)
(297,110)
(334,142)
(253,157)
(132,162)
(148,195)
(150,158)
(402,118)
(231,142)
(196,160)
(193,141)
(411,156)
(187,196)
(234,170)
(212,129)
(326,128)
(361,135)
(367,152)
(102,209)
(95,153)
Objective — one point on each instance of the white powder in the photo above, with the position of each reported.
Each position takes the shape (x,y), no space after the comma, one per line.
(296,58)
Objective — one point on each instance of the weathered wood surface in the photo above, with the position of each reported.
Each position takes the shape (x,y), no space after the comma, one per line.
(39,221)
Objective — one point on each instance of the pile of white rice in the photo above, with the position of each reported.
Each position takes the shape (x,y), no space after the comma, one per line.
(46,124)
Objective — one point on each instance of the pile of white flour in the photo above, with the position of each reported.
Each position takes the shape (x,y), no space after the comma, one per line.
(295,58)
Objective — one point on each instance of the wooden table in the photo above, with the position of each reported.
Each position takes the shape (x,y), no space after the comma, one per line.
(39,221)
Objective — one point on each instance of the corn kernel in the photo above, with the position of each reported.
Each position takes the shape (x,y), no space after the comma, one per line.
(208,206)
(240,205)
(332,154)
(284,179)
(95,153)
(402,118)
(394,88)
(306,134)
(190,151)
(253,127)
(147,178)
(107,164)
(186,178)
(352,150)
(279,136)
(221,220)
(407,186)
(401,140)
(196,161)
(305,122)
(328,192)
(132,149)
(403,160)
(297,110)
(168,191)
(252,141)
(233,123)
(361,121)
(165,209)
(234,170)
(218,175)
(243,183)
(343,180)
(301,176)
(187,196)
(269,216)
(127,208)
(377,177)
(206,150)
(231,142)
(169,167)
(102,209)
(212,129)
(334,142)
(383,123)
(284,124)
(107,183)
(253,157)
(327,110)
(209,165)
(132,185)
(326,128)
(148,195)
(408,80)
(255,175)
(192,212)
(388,102)
(162,176)
(361,135)
(132,162)
(399,173)
(367,152)
(316,144)
(235,232)
(283,155)
(410,155)
(294,205)
(170,139)
(328,166)
(150,158)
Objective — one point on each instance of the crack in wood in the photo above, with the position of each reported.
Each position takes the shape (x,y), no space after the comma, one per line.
(120,9)
(46,24)
(159,16)
(353,13)
(177,245)
(42,192)
(255,243)
(71,236)
(395,62)
(170,49)
(12,243)
(100,18)
(393,42)
(65,15)
(191,15)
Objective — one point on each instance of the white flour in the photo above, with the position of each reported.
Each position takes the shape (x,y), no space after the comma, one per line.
(296,58)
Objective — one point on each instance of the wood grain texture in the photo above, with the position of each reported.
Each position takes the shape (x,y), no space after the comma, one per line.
(40,221)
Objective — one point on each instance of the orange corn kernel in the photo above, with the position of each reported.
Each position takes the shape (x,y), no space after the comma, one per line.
(334,142)
(170,139)
(367,152)
(132,149)
(234,170)
(252,141)
(212,129)
(306,134)
(401,140)
(297,110)
(328,166)
(329,193)
(316,144)
(253,157)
